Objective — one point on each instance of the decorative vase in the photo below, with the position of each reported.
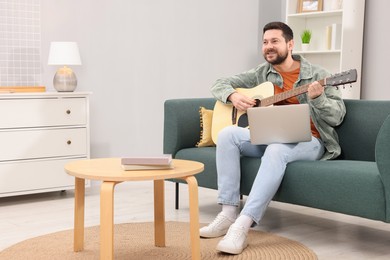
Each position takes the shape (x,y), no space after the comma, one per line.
(305,46)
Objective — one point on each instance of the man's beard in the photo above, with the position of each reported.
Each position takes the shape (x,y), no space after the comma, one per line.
(280,58)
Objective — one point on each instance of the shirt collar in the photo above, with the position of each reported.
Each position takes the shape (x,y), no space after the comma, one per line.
(306,71)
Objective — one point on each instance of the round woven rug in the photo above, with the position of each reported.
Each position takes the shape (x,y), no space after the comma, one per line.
(136,241)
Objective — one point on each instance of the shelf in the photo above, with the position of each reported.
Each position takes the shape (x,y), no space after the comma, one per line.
(347,44)
(316,14)
(318,52)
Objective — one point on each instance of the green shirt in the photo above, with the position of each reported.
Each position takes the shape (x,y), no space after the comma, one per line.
(327,110)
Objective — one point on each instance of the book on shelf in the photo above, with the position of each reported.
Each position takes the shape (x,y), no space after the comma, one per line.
(336,37)
(329,37)
(159,162)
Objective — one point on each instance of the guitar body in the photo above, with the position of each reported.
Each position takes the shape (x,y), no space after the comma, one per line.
(223,113)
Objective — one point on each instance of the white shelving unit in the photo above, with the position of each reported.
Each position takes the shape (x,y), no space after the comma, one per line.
(348,53)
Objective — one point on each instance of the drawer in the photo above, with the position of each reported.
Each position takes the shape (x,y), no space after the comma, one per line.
(18,178)
(42,143)
(15,113)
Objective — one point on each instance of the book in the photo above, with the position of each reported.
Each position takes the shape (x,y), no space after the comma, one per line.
(336,36)
(329,37)
(159,160)
(138,167)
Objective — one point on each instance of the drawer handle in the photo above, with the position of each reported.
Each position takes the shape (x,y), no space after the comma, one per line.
(68,112)
(69,142)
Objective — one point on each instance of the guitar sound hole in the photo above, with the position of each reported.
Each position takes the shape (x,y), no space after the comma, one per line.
(243,121)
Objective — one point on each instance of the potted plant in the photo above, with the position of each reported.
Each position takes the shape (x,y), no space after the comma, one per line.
(305,37)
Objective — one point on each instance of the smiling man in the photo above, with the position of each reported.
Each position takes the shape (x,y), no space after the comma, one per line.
(285,71)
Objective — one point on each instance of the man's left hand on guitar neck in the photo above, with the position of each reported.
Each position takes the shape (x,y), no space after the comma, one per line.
(314,90)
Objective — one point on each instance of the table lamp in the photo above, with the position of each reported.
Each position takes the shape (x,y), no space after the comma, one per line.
(64,53)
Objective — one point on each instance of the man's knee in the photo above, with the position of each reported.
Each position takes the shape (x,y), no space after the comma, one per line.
(277,151)
(225,135)
(227,131)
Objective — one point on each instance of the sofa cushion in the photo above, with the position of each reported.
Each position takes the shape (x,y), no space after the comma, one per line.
(205,155)
(350,187)
(206,117)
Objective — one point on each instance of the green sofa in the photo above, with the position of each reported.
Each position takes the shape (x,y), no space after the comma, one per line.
(357,183)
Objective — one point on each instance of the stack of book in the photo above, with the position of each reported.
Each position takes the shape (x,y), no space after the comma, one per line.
(147,162)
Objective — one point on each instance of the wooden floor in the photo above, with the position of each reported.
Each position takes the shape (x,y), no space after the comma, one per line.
(329,235)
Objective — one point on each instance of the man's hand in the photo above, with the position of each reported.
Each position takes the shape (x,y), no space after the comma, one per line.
(314,90)
(241,102)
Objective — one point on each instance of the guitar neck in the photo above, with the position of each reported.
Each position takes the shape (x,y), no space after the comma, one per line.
(287,94)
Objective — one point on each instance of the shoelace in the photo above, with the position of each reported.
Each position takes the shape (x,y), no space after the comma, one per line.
(219,219)
(234,233)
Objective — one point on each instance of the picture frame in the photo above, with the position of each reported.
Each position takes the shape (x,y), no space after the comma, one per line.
(309,5)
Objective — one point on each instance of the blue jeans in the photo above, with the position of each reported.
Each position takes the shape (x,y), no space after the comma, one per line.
(235,141)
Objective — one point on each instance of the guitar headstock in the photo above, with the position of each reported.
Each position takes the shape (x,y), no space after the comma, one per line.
(342,78)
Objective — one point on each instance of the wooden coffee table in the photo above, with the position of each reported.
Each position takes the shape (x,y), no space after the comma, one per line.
(109,171)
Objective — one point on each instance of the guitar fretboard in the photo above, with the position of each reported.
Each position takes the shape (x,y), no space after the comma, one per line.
(287,94)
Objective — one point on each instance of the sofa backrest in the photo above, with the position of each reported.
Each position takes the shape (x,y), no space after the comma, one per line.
(182,122)
(358,132)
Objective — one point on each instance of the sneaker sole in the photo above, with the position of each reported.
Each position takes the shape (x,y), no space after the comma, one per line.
(212,235)
(230,250)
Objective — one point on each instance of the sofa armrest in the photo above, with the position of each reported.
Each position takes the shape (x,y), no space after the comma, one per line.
(182,122)
(382,158)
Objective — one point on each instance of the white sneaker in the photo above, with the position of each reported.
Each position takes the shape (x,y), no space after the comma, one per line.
(234,241)
(218,227)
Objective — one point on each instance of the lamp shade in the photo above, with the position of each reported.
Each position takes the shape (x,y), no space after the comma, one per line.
(64,53)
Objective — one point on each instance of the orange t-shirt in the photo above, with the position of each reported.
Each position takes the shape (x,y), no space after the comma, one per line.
(289,78)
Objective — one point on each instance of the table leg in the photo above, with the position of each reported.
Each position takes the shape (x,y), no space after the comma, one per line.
(159,213)
(79,199)
(194,216)
(107,220)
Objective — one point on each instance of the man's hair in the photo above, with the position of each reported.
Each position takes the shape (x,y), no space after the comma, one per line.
(287,32)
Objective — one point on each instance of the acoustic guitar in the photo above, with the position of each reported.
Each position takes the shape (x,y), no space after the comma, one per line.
(226,114)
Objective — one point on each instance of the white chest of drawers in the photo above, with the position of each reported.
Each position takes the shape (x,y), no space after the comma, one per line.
(39,134)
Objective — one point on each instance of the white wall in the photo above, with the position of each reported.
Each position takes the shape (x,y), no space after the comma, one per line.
(138,53)
(376,53)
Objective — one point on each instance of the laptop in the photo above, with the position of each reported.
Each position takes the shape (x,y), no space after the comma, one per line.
(279,124)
